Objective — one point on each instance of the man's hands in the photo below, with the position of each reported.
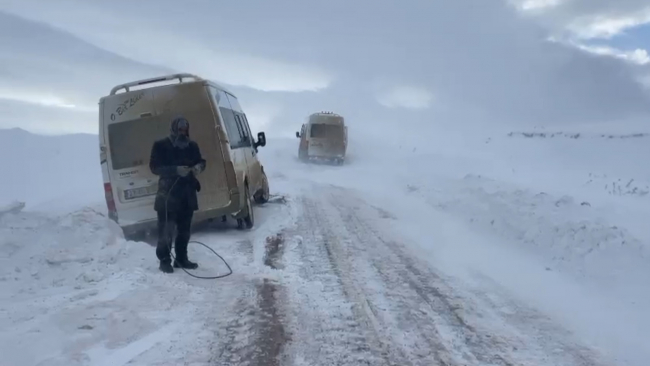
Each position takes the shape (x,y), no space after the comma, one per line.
(197,169)
(183,171)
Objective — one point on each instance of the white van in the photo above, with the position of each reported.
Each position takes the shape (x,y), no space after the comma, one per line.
(323,137)
(130,122)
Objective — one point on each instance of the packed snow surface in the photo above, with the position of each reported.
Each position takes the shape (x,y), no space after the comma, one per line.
(483,248)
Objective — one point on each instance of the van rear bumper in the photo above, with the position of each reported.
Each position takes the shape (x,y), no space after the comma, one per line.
(324,154)
(131,230)
(327,158)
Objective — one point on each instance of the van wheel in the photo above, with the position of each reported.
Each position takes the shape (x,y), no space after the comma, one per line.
(249,219)
(263,194)
(302,155)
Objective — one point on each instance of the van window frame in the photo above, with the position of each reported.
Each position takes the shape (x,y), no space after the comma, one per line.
(234,102)
(248,126)
(245,134)
(325,126)
(233,129)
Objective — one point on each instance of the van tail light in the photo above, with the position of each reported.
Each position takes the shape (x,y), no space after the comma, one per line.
(110,202)
(231,177)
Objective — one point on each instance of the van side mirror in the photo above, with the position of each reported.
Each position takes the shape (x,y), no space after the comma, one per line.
(297,134)
(261,139)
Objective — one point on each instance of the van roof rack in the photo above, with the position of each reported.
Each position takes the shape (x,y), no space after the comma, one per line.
(180,77)
(326,113)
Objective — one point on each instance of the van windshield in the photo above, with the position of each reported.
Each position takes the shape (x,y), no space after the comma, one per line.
(326,131)
(130,142)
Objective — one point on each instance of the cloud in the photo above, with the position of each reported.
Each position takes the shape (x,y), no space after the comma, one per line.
(46,119)
(588,19)
(645,80)
(637,56)
(607,25)
(536,5)
(44,70)
(44,100)
(261,113)
(409,97)
(168,40)
(289,58)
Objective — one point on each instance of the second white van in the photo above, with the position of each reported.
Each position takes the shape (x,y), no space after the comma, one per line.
(323,137)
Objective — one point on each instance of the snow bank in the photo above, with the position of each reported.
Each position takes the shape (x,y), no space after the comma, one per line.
(13,207)
(53,173)
(568,235)
(73,291)
(58,278)
(577,200)
(72,250)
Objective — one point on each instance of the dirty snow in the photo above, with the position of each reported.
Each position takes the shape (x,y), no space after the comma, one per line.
(499,249)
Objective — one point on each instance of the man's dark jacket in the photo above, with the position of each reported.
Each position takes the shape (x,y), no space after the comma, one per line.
(165,157)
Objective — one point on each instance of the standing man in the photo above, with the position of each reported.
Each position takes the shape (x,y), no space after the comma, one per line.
(177,160)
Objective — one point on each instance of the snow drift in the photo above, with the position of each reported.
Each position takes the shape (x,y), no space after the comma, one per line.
(49,173)
(60,276)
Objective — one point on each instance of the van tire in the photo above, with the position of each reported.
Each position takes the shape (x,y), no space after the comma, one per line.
(249,219)
(263,194)
(302,155)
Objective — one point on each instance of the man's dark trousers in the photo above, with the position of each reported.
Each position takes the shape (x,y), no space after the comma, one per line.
(180,220)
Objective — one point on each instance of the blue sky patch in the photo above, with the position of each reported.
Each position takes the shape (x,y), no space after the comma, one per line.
(638,37)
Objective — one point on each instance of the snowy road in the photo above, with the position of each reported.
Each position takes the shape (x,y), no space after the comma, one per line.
(356,267)
(348,292)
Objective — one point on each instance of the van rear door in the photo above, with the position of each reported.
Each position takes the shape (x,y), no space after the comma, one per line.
(136,119)
(193,101)
(130,128)
(326,140)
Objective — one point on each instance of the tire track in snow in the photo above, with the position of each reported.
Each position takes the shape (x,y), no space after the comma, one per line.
(418,320)
(385,307)
(537,339)
(254,335)
(328,328)
(544,334)
(379,315)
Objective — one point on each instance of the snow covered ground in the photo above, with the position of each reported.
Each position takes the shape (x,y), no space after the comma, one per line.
(487,248)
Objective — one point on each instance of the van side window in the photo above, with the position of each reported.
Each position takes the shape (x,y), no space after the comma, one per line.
(234,103)
(248,127)
(232,129)
(245,135)
(223,99)
(228,115)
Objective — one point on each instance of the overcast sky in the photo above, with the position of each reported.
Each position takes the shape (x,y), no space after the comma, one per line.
(531,62)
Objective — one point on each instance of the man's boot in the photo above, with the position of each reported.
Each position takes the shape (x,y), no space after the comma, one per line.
(181,260)
(166,266)
(184,263)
